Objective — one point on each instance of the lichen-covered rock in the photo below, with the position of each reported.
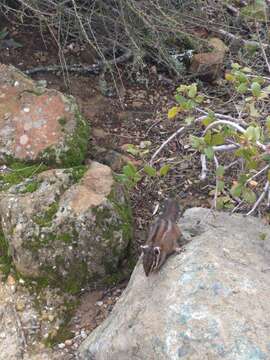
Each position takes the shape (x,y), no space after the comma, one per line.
(38,123)
(209,302)
(72,227)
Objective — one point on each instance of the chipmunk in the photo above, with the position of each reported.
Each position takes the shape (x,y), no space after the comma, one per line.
(162,238)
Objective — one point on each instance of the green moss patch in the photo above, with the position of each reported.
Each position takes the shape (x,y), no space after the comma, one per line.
(76,172)
(62,121)
(75,150)
(5,257)
(45,219)
(77,144)
(18,173)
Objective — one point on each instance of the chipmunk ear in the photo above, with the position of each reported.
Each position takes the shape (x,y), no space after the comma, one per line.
(157,250)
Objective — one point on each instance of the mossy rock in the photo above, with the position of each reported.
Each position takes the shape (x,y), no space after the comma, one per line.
(39,125)
(73,229)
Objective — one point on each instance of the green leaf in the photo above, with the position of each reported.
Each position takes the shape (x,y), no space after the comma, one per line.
(129,170)
(3,33)
(149,170)
(196,142)
(268,175)
(247,70)
(180,99)
(220,170)
(188,105)
(182,88)
(248,195)
(132,149)
(241,77)
(229,77)
(220,185)
(236,66)
(199,99)
(256,89)
(192,92)
(243,179)
(163,171)
(173,112)
(253,133)
(253,111)
(236,190)
(189,120)
(208,138)
(217,139)
(209,152)
(206,121)
(256,11)
(242,88)
(266,157)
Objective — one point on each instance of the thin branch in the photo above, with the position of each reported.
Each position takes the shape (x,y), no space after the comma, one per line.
(235,126)
(216,189)
(262,48)
(258,173)
(166,142)
(225,122)
(260,199)
(229,147)
(223,116)
(204,171)
(182,129)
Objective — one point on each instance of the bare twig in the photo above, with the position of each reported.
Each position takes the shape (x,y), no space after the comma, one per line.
(225,148)
(258,173)
(216,189)
(204,167)
(179,131)
(223,116)
(166,142)
(235,126)
(225,122)
(260,199)
(262,48)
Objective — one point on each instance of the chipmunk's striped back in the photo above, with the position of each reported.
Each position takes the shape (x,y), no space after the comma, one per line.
(162,238)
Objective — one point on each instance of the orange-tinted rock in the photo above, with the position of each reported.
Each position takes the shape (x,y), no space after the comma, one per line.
(207,66)
(34,120)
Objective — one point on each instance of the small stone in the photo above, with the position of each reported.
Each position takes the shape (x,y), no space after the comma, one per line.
(68,342)
(99,303)
(61,346)
(99,133)
(10,280)
(23,139)
(51,317)
(20,305)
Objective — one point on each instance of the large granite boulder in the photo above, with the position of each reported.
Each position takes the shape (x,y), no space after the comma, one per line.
(38,124)
(67,226)
(210,302)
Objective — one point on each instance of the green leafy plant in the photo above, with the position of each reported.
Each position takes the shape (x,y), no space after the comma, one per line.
(248,140)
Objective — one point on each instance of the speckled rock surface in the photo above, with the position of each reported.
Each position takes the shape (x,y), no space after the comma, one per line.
(210,302)
(38,123)
(75,226)
(20,325)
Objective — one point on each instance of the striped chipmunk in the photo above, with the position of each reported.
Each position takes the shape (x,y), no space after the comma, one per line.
(162,238)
